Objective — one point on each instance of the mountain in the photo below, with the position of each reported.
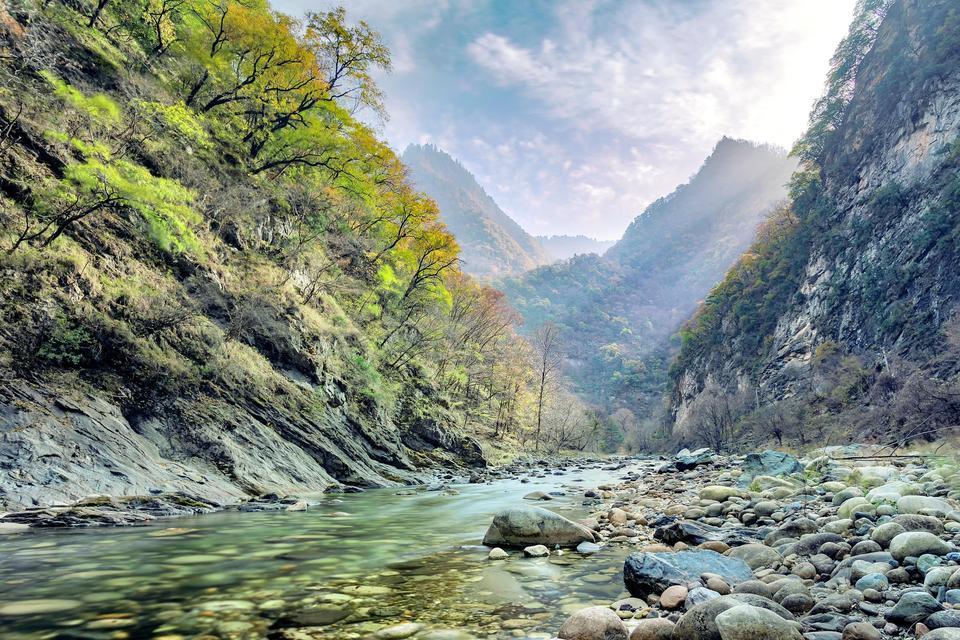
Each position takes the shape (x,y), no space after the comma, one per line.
(491,243)
(617,312)
(565,247)
(841,320)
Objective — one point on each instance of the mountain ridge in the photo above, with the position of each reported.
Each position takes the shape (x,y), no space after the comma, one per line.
(493,244)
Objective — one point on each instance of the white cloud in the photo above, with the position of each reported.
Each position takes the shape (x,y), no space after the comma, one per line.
(750,69)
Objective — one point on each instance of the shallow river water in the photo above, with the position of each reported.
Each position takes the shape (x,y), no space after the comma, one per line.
(356,563)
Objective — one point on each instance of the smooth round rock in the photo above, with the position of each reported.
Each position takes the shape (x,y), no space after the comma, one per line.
(593,623)
(746,622)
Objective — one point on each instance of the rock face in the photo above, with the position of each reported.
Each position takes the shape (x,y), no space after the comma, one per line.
(220,452)
(887,149)
(525,526)
(646,573)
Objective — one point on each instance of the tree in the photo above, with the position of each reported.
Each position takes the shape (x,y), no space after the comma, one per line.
(546,344)
(347,55)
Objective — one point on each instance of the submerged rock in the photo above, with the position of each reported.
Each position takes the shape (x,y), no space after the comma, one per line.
(525,526)
(646,573)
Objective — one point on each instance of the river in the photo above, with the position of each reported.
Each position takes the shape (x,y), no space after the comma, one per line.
(357,563)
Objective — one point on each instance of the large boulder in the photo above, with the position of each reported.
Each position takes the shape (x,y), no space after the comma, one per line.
(646,573)
(593,623)
(921,504)
(525,526)
(917,543)
(768,463)
(699,623)
(746,622)
(686,459)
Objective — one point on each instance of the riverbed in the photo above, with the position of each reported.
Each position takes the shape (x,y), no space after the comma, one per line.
(348,567)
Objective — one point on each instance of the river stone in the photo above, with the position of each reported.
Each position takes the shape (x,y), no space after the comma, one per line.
(686,459)
(746,622)
(593,623)
(588,548)
(913,606)
(34,607)
(811,543)
(313,617)
(860,631)
(718,493)
(919,504)
(917,543)
(673,597)
(523,526)
(646,573)
(399,631)
(497,554)
(756,555)
(942,634)
(886,532)
(853,504)
(699,623)
(916,522)
(653,629)
(943,619)
(538,495)
(536,551)
(768,463)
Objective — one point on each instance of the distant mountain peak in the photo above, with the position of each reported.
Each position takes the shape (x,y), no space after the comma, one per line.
(492,243)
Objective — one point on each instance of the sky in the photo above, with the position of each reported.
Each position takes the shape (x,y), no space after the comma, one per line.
(576,114)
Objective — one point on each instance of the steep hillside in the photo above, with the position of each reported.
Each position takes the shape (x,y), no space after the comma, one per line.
(842,315)
(618,311)
(565,247)
(213,279)
(491,243)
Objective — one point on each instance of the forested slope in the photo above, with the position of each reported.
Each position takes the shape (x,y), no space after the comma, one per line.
(213,277)
(617,312)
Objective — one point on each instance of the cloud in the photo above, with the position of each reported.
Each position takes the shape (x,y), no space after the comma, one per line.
(648,70)
(575,114)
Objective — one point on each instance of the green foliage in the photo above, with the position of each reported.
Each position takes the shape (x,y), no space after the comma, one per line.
(98,106)
(165,204)
(179,119)
(68,344)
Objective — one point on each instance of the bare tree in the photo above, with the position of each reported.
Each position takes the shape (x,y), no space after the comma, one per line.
(546,343)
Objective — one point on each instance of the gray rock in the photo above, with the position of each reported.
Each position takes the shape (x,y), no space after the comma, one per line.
(917,543)
(746,622)
(943,634)
(524,526)
(699,623)
(756,555)
(768,463)
(943,619)
(646,573)
(593,623)
(686,460)
(669,530)
(913,607)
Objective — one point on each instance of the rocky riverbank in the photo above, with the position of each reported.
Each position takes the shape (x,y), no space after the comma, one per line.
(767,547)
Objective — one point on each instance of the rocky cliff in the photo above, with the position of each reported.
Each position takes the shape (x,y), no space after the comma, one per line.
(864,261)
